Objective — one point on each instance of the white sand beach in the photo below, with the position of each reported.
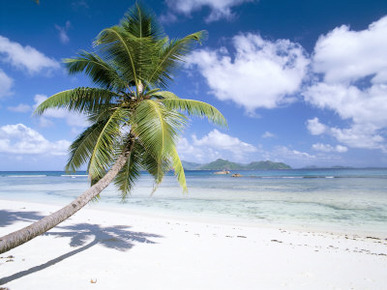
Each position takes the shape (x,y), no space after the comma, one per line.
(102,249)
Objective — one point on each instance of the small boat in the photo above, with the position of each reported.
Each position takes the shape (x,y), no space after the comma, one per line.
(222,172)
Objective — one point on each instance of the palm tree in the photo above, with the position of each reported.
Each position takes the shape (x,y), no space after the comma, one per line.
(134,122)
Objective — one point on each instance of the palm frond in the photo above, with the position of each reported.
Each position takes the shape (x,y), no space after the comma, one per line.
(178,168)
(156,127)
(100,72)
(193,107)
(155,166)
(82,100)
(141,22)
(171,55)
(151,93)
(133,56)
(103,154)
(129,174)
(81,149)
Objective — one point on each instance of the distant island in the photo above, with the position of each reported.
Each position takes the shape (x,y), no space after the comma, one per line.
(221,164)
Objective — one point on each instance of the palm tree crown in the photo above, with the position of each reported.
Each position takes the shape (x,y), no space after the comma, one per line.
(130,110)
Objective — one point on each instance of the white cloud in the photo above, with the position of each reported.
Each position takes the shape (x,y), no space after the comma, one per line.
(267,134)
(357,136)
(219,8)
(189,152)
(291,154)
(365,108)
(223,141)
(63,36)
(329,148)
(353,67)
(72,119)
(25,57)
(315,127)
(262,74)
(346,56)
(215,145)
(360,136)
(21,108)
(5,84)
(293,157)
(20,139)
(300,158)
(350,102)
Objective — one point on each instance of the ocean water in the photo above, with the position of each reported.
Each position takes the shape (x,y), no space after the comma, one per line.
(349,200)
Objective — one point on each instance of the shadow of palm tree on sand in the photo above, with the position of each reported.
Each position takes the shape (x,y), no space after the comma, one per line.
(84,236)
(8,217)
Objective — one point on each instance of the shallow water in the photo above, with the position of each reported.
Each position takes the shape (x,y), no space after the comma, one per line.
(352,200)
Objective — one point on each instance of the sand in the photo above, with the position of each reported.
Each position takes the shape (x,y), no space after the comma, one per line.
(109,249)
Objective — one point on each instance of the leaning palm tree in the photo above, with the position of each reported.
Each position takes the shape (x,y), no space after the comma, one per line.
(134,121)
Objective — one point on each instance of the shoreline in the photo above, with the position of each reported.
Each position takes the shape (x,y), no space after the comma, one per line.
(104,249)
(324,228)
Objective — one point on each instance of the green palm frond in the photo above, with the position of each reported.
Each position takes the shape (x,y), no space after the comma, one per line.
(101,114)
(156,127)
(103,154)
(81,149)
(178,168)
(170,56)
(82,100)
(100,72)
(152,93)
(129,174)
(141,22)
(193,107)
(156,167)
(133,56)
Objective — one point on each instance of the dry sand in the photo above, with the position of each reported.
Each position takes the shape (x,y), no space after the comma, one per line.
(102,249)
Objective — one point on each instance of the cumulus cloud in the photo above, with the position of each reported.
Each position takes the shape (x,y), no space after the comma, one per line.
(291,154)
(223,141)
(5,84)
(20,139)
(329,148)
(350,102)
(25,57)
(62,30)
(346,56)
(214,145)
(315,127)
(358,136)
(261,74)
(353,70)
(219,8)
(293,157)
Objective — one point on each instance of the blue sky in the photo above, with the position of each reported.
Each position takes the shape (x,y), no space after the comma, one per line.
(300,82)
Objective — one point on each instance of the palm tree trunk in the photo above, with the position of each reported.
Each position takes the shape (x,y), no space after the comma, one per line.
(22,236)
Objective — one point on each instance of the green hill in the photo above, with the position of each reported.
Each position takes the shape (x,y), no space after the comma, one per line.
(221,164)
(266,165)
(190,165)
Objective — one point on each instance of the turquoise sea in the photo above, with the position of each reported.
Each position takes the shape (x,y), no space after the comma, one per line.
(350,200)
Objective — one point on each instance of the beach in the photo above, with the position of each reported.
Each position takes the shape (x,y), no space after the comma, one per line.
(193,145)
(107,248)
